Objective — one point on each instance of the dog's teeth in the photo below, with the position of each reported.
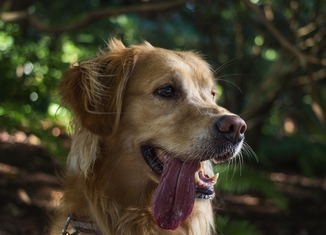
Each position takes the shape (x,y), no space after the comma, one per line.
(197,180)
(202,167)
(214,178)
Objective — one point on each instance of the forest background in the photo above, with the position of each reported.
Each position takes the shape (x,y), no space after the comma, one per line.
(270,62)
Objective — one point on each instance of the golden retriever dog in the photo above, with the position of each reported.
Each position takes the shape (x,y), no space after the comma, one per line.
(146,130)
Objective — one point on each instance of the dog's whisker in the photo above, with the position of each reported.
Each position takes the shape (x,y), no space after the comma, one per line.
(223,80)
(225,65)
(249,151)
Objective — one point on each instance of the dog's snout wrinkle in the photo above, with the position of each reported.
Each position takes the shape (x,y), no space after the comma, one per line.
(232,127)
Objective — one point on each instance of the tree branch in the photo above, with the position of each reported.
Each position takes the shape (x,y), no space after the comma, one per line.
(303,59)
(90,18)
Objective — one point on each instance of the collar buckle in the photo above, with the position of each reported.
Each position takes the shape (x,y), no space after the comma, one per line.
(80,224)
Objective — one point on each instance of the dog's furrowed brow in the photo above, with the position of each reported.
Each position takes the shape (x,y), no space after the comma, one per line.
(170,77)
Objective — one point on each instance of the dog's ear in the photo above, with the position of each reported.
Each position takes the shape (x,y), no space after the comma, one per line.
(94,89)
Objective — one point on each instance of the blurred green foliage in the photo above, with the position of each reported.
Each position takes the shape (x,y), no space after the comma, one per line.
(258,78)
(240,181)
(226,226)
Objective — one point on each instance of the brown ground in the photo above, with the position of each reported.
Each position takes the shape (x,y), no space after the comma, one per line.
(29,192)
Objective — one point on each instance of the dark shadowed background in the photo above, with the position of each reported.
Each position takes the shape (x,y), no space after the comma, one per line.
(269,59)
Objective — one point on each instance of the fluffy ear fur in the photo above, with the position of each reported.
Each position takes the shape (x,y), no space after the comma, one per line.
(94,89)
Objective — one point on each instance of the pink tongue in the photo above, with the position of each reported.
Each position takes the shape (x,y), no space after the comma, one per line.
(175,195)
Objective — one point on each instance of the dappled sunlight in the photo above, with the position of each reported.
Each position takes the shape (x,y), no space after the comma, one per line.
(244,199)
(47,198)
(37,188)
(56,131)
(8,170)
(289,126)
(60,141)
(23,196)
(298,179)
(19,137)
(251,202)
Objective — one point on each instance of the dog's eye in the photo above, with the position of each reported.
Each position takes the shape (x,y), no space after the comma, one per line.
(167,91)
(213,95)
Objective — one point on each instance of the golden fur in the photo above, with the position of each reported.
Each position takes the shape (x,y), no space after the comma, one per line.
(115,112)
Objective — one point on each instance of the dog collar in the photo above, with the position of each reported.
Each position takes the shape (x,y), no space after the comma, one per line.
(80,224)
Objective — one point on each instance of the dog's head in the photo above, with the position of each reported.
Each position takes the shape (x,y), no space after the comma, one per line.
(160,107)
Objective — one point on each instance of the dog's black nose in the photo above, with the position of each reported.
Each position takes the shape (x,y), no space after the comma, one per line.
(232,127)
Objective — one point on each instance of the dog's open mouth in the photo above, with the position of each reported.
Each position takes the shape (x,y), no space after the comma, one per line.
(180,183)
